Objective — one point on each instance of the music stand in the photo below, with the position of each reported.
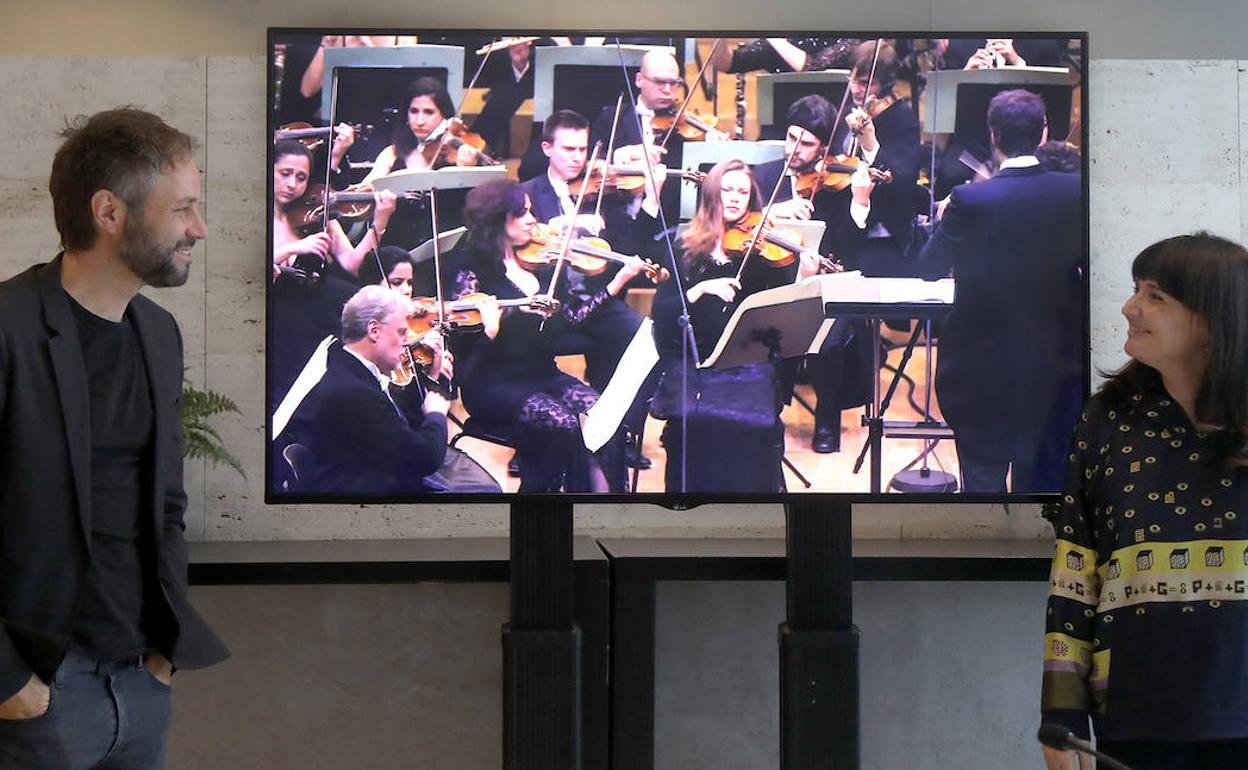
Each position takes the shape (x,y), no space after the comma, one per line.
(770,324)
(551,64)
(443,61)
(447,240)
(776,92)
(449,178)
(852,295)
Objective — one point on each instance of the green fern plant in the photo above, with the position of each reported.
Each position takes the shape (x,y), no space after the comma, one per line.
(199,439)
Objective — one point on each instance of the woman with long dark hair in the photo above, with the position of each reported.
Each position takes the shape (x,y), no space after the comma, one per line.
(1147,626)
(426,106)
(507,373)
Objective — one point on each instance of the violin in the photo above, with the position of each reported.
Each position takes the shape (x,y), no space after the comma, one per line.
(625,178)
(414,357)
(692,126)
(356,202)
(312,136)
(778,247)
(874,105)
(444,143)
(837,173)
(589,255)
(464,314)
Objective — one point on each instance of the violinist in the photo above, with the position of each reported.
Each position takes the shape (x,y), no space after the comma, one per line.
(292,164)
(391,267)
(659,89)
(314,274)
(840,372)
(882,130)
(732,437)
(811,121)
(364,434)
(507,373)
(605,333)
(565,143)
(427,106)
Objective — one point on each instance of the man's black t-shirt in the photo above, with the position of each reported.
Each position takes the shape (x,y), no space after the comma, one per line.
(120,613)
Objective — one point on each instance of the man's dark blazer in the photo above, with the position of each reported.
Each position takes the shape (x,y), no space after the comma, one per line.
(358,441)
(627,134)
(45,477)
(1011,348)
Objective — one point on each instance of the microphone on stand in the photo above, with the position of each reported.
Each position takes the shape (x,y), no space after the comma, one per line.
(1058,737)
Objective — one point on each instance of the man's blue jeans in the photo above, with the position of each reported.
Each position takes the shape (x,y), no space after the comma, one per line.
(101,716)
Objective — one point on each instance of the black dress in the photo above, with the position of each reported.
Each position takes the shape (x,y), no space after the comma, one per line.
(511,382)
(724,435)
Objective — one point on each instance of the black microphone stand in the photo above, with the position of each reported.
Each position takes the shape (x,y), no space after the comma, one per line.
(689,345)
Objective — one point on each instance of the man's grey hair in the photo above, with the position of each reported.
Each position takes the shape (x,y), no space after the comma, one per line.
(371,303)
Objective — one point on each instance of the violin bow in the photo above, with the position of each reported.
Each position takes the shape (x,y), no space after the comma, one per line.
(568,235)
(606,164)
(329,146)
(689,95)
(875,58)
(447,388)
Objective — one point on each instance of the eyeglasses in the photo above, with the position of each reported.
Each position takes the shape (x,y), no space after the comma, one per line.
(665,82)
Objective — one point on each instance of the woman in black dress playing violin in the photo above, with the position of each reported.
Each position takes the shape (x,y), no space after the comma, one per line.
(729,438)
(507,373)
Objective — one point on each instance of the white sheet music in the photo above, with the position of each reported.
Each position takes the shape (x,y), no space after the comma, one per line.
(604,417)
(312,373)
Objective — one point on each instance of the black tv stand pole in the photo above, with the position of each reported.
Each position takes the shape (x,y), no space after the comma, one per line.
(819,722)
(541,644)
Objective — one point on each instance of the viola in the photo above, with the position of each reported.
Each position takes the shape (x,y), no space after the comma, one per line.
(838,172)
(416,356)
(354,203)
(589,255)
(312,136)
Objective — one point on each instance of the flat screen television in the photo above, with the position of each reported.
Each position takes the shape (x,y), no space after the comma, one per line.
(553,237)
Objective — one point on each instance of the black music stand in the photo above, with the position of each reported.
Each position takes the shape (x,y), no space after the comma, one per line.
(874,311)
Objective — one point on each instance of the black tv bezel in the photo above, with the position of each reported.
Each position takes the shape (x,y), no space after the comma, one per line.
(674,501)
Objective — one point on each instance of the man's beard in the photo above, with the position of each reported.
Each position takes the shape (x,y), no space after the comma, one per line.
(149,260)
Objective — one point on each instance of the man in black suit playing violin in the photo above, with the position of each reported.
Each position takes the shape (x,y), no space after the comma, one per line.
(840,372)
(606,333)
(368,436)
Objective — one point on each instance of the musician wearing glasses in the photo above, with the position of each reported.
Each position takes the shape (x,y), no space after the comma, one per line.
(659,89)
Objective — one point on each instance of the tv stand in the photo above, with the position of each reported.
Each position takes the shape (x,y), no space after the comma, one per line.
(541,643)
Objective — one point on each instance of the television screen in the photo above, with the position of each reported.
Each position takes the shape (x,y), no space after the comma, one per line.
(674,268)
